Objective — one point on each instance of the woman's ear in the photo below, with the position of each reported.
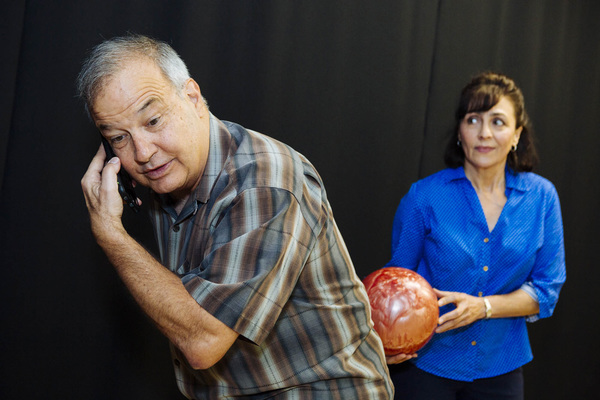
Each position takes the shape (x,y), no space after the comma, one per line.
(517,135)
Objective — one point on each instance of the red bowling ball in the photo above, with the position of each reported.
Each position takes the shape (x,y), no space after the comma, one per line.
(404,309)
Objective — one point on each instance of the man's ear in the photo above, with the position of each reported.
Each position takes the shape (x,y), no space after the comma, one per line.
(192,91)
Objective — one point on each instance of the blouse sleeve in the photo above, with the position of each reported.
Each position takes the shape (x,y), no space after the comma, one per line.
(408,232)
(549,271)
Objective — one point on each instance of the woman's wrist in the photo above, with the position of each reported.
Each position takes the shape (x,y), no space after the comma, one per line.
(488,308)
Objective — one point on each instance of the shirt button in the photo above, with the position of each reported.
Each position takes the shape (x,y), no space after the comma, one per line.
(486,240)
(485,268)
(175,228)
(473,343)
(176,362)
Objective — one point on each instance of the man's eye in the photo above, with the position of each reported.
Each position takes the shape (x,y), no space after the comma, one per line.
(154,121)
(117,141)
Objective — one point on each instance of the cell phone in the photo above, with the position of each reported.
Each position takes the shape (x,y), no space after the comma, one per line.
(123,179)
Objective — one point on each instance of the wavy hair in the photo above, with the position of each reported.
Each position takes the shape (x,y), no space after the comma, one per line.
(482,93)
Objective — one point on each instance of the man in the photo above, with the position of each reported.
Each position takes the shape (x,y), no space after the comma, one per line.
(256,293)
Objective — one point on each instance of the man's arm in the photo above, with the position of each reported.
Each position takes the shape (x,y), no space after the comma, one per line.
(202,338)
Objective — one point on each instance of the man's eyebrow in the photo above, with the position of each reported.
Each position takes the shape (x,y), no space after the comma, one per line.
(147,104)
(104,127)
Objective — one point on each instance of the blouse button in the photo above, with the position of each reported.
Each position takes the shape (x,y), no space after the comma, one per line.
(485,268)
(480,294)
(486,240)
(473,343)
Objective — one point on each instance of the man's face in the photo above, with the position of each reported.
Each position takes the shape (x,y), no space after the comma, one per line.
(160,135)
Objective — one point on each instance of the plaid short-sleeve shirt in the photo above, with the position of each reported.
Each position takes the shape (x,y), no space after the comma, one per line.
(257,247)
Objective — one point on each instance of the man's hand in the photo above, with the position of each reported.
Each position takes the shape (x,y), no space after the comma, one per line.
(468,310)
(100,189)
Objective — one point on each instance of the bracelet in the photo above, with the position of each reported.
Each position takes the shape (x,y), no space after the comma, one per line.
(488,308)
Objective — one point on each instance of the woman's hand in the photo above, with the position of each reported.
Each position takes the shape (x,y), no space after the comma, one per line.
(399,358)
(468,310)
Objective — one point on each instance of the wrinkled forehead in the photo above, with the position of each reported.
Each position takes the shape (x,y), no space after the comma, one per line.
(130,81)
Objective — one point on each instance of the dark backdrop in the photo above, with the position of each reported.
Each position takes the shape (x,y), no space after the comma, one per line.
(365,89)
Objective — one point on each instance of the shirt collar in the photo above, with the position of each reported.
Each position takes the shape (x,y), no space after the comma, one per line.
(219,148)
(513,180)
(219,144)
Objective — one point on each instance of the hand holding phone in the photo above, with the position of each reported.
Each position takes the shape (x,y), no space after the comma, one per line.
(123,179)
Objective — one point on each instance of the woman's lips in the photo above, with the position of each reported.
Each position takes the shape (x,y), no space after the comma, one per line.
(484,149)
(158,172)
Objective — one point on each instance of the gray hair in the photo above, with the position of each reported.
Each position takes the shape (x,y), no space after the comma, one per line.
(109,56)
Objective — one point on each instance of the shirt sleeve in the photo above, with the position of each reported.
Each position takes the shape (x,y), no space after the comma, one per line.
(408,232)
(549,271)
(528,288)
(255,252)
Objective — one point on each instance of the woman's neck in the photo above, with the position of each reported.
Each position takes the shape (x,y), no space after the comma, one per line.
(490,186)
(488,180)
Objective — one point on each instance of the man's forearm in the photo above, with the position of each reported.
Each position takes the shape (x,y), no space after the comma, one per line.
(162,296)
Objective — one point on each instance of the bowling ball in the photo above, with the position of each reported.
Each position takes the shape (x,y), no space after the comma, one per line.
(404,309)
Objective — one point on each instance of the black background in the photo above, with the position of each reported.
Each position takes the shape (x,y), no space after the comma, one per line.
(365,89)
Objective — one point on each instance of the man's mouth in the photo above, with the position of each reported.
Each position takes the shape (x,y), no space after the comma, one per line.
(158,172)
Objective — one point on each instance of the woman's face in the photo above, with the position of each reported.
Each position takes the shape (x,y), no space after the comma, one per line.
(487,137)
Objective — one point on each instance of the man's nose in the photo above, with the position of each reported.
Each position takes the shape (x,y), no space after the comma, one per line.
(144,148)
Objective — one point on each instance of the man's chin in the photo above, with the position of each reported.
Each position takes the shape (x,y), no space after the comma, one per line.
(172,190)
(161,187)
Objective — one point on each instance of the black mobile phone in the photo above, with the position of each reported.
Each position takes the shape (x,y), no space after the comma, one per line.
(124,180)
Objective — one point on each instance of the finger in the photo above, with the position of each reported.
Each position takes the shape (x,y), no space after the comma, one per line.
(99,160)
(109,176)
(449,324)
(449,316)
(447,298)
(97,164)
(444,327)
(399,358)
(454,319)
(92,179)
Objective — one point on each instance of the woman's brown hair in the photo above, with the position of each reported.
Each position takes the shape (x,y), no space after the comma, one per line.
(482,93)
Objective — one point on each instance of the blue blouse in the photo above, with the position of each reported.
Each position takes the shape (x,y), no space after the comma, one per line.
(441,232)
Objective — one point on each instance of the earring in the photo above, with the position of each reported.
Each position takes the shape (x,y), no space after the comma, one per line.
(458,142)
(514,148)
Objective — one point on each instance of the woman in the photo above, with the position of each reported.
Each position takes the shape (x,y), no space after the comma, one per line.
(487,234)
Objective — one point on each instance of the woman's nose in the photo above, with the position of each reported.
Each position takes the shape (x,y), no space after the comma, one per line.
(485,131)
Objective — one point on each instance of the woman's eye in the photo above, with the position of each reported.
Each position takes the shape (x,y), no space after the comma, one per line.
(471,120)
(498,122)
